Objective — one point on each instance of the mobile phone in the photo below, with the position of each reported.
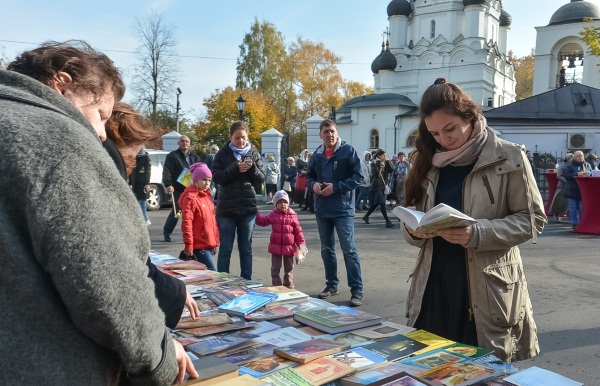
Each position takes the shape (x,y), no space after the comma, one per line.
(323,185)
(247,158)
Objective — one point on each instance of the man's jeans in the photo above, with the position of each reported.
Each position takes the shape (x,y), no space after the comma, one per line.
(362,193)
(227,230)
(575,211)
(205,256)
(144,207)
(344,226)
(171,222)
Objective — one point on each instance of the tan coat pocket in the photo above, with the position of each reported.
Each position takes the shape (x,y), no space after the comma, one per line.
(505,292)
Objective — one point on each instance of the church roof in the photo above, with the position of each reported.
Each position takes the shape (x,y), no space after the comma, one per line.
(505,19)
(574,12)
(373,100)
(466,3)
(575,102)
(399,8)
(375,63)
(387,60)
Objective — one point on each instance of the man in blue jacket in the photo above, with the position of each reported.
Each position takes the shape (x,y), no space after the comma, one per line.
(333,173)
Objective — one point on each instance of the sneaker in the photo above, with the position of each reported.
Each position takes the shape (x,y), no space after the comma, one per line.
(356,299)
(168,239)
(328,291)
(148,222)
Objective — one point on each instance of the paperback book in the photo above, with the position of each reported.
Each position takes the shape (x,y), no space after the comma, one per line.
(270,313)
(206,318)
(467,350)
(311,304)
(242,355)
(310,350)
(283,337)
(212,368)
(535,376)
(348,338)
(284,294)
(435,358)
(222,296)
(286,377)
(379,375)
(385,330)
(396,347)
(264,366)
(336,319)
(323,370)
(432,341)
(439,217)
(459,374)
(360,358)
(405,379)
(185,177)
(247,303)
(242,380)
(211,330)
(214,344)
(263,327)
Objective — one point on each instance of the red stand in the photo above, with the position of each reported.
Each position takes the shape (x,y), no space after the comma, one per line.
(590,216)
(552,183)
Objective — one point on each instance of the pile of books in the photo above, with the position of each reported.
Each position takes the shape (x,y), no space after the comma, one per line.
(248,334)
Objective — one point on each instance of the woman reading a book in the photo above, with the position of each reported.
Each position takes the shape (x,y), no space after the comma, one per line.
(468,284)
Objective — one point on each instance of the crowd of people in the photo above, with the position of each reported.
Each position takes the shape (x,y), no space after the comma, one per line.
(84,264)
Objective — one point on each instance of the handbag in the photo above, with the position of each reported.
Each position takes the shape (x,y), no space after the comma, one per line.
(286,186)
(387,190)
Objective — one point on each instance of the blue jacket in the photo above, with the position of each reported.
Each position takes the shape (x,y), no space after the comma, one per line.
(570,172)
(344,171)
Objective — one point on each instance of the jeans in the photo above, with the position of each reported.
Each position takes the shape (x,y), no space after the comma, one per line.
(171,222)
(144,206)
(575,211)
(362,193)
(227,230)
(205,256)
(344,226)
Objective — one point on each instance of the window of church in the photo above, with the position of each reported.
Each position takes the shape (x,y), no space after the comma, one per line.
(374,139)
(411,139)
(432,34)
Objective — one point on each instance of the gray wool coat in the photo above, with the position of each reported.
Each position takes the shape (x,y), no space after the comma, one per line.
(77,307)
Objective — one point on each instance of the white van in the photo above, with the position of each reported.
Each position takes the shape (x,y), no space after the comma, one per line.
(157,196)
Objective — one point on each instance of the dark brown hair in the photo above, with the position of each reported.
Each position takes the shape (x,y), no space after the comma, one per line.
(238,125)
(378,153)
(127,127)
(327,123)
(441,96)
(92,71)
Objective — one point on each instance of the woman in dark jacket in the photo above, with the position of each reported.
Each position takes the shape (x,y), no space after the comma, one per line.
(237,169)
(574,169)
(140,180)
(289,175)
(381,170)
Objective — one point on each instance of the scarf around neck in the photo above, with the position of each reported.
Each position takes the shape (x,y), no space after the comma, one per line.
(237,152)
(467,153)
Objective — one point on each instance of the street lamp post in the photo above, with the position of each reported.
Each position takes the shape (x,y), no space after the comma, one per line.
(241,106)
(396,118)
(177,111)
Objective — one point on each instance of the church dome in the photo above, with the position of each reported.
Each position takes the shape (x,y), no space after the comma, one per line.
(399,8)
(505,19)
(387,61)
(466,3)
(574,12)
(375,64)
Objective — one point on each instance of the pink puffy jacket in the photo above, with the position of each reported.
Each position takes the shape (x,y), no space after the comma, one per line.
(286,232)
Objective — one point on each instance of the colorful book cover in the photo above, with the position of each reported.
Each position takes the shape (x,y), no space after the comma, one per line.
(242,380)
(494,362)
(535,376)
(336,319)
(210,330)
(310,350)
(185,177)
(284,337)
(222,296)
(214,344)
(323,370)
(247,303)
(264,327)
(348,338)
(284,294)
(467,350)
(286,377)
(206,318)
(311,304)
(435,358)
(242,355)
(405,379)
(432,341)
(459,374)
(385,330)
(188,264)
(264,366)
(395,347)
(379,375)
(360,358)
(270,313)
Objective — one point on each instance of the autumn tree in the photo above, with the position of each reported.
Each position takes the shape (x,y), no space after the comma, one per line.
(523,74)
(221,111)
(352,89)
(156,71)
(591,37)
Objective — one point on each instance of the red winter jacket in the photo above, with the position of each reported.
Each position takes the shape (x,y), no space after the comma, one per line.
(198,220)
(286,232)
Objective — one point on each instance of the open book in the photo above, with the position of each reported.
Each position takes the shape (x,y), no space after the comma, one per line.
(439,217)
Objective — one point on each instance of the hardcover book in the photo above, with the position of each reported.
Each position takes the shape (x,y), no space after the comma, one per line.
(385,330)
(188,264)
(348,338)
(395,347)
(286,377)
(206,318)
(311,304)
(323,370)
(214,344)
(242,355)
(264,366)
(310,350)
(459,374)
(494,362)
(284,294)
(379,375)
(222,296)
(211,330)
(336,319)
(212,368)
(432,341)
(270,313)
(467,350)
(247,303)
(439,217)
(360,358)
(535,376)
(405,379)
(284,337)
(435,358)
(243,380)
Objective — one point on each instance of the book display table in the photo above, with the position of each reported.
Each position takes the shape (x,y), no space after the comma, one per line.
(590,216)
(552,184)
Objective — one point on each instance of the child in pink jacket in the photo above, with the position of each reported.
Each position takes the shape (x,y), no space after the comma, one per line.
(286,238)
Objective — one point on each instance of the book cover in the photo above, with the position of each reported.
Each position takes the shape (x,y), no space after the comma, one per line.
(311,304)
(283,337)
(211,367)
(206,318)
(284,294)
(222,296)
(459,374)
(178,264)
(214,344)
(247,303)
(432,341)
(360,358)
(434,358)
(405,379)
(323,370)
(467,350)
(395,347)
(264,366)
(211,330)
(310,350)
(346,337)
(494,362)
(270,313)
(385,330)
(242,355)
(189,272)
(286,377)
(264,327)
(185,177)
(336,319)
(379,375)
(439,217)
(535,376)
(242,380)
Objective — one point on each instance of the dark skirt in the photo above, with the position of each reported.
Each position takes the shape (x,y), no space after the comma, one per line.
(376,197)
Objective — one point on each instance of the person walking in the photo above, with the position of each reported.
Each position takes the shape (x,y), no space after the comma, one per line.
(364,188)
(301,166)
(334,172)
(175,162)
(272,173)
(140,181)
(381,170)
(400,172)
(560,202)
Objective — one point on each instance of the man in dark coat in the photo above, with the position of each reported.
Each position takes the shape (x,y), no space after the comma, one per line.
(176,161)
(140,180)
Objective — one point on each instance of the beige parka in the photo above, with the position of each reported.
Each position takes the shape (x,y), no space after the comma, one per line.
(502,195)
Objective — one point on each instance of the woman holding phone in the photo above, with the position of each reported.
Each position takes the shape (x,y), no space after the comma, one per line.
(237,169)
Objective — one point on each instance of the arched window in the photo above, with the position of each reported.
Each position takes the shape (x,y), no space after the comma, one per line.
(432,34)
(412,138)
(374,139)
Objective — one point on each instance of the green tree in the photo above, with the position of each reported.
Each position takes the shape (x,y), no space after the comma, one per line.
(591,37)
(523,74)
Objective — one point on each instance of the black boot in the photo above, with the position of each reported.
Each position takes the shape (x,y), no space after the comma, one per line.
(389,224)
(366,219)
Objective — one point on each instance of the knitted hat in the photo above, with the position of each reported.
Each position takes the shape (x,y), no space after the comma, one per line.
(199,171)
(281,195)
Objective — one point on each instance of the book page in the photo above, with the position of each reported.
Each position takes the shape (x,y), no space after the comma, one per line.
(410,217)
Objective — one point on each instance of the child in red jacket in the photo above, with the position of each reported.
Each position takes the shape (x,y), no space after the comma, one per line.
(199,224)
(286,238)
